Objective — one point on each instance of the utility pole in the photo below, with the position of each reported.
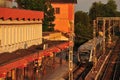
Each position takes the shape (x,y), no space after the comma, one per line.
(71,50)
(94,42)
(119,25)
(109,34)
(104,36)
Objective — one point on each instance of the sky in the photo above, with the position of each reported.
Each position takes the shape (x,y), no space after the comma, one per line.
(85,5)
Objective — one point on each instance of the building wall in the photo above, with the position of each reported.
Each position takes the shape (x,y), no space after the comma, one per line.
(62,20)
(19,34)
(2,3)
(8,3)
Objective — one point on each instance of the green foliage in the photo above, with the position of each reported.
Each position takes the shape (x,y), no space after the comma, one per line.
(111,4)
(83,34)
(118,13)
(40,5)
(31,4)
(83,31)
(81,17)
(99,9)
(111,8)
(48,17)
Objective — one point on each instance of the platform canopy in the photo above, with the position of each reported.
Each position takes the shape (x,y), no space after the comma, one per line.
(20,14)
(21,58)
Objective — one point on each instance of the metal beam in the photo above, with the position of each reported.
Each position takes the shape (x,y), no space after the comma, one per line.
(71,50)
(108,18)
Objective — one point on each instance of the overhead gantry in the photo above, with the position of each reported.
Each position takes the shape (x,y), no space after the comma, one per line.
(105,28)
(108,29)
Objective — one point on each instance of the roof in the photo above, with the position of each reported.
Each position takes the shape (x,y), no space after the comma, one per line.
(64,1)
(89,45)
(18,14)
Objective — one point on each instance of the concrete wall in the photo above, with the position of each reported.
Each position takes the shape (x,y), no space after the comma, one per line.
(19,34)
(8,3)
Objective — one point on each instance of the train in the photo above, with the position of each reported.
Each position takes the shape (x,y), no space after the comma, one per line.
(86,50)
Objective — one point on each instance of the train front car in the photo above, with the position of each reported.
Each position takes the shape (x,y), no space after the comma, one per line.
(85,51)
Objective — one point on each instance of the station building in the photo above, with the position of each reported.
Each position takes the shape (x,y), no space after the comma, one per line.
(19,29)
(21,43)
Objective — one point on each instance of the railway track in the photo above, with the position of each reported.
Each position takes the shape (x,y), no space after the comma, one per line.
(109,69)
(81,71)
(116,72)
(78,71)
(82,75)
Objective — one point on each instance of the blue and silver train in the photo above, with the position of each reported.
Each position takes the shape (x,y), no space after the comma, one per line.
(85,51)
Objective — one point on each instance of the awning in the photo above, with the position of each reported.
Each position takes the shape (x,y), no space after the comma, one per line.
(23,61)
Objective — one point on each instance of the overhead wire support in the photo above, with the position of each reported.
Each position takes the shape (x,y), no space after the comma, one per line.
(94,42)
(71,41)
(104,36)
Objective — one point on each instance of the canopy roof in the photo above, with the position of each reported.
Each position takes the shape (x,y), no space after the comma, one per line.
(22,57)
(18,14)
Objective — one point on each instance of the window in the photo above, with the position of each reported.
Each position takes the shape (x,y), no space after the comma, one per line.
(57,10)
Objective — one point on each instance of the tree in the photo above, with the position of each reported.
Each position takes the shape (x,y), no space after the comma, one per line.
(99,9)
(111,4)
(111,8)
(83,30)
(48,17)
(118,13)
(40,5)
(31,4)
(81,17)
